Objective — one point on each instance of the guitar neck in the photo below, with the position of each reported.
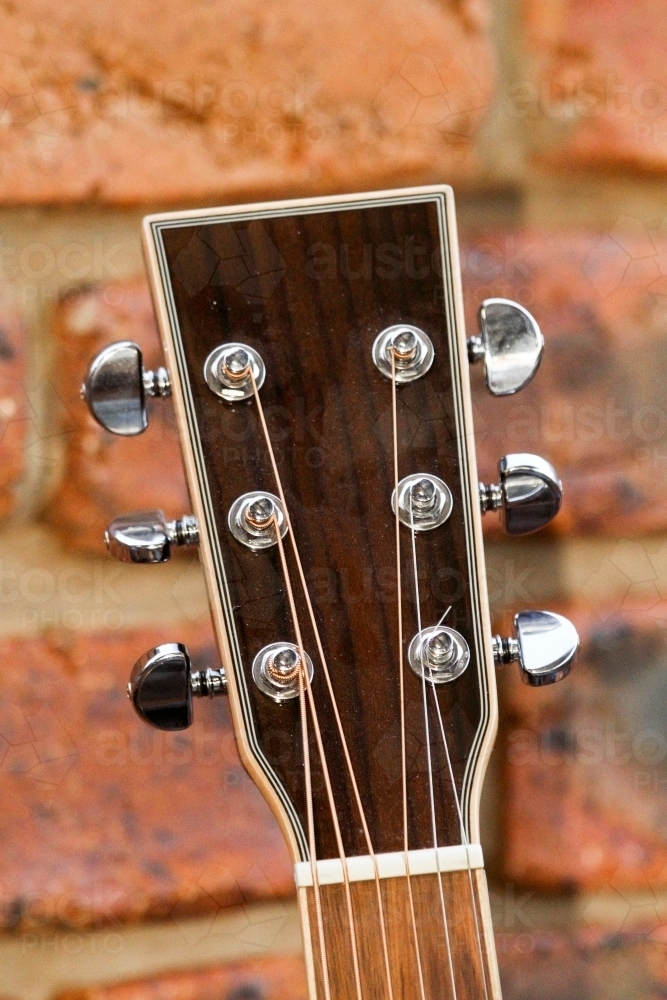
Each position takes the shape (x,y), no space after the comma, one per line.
(425,937)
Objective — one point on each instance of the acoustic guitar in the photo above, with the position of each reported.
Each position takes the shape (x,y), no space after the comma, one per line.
(317,359)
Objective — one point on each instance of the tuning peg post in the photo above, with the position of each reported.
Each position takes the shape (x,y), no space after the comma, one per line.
(528,496)
(545,647)
(510,343)
(162,685)
(116,387)
(148,537)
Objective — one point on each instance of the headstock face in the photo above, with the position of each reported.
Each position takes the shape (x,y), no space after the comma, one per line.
(310,285)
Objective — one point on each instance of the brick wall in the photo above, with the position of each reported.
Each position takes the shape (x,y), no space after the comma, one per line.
(126,859)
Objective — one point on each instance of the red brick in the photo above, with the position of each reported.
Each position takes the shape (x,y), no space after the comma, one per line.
(596,407)
(260,979)
(165,102)
(533,964)
(106,820)
(106,475)
(586,760)
(561,966)
(14,410)
(598,98)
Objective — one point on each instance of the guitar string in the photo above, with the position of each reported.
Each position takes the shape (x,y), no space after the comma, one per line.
(466,842)
(427,729)
(464,835)
(339,723)
(307,775)
(318,737)
(367,836)
(316,727)
(404,769)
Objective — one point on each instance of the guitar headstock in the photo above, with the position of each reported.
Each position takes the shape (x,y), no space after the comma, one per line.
(317,358)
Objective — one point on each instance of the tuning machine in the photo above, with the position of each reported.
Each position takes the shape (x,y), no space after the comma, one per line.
(528,496)
(116,387)
(163,683)
(510,343)
(148,537)
(545,646)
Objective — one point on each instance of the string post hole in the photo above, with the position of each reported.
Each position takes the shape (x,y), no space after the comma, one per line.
(284,666)
(229,371)
(438,654)
(236,366)
(276,670)
(424,495)
(260,512)
(424,501)
(253,518)
(403,352)
(404,344)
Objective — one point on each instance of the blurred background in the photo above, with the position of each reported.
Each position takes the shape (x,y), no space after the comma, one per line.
(135,864)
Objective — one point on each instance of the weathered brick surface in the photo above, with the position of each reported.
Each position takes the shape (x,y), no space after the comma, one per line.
(533,965)
(169,102)
(582,965)
(106,475)
(14,410)
(260,979)
(105,819)
(586,760)
(596,407)
(598,97)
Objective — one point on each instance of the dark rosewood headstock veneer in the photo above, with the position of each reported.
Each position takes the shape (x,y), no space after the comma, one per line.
(316,354)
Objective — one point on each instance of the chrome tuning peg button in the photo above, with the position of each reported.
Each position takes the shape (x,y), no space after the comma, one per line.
(162,685)
(510,343)
(116,387)
(148,537)
(545,647)
(528,495)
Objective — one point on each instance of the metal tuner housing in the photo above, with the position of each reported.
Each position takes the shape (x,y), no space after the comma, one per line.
(528,496)
(162,685)
(116,387)
(510,343)
(545,647)
(148,537)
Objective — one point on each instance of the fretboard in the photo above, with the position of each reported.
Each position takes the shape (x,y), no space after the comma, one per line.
(384,935)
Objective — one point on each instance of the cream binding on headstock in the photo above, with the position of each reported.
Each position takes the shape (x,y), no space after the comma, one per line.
(341,540)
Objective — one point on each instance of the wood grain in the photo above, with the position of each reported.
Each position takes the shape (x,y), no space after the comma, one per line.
(310,288)
(444,925)
(310,285)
